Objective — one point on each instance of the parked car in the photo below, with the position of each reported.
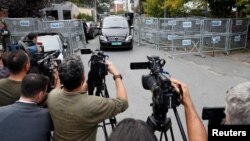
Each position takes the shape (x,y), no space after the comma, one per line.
(92,30)
(115,33)
(51,42)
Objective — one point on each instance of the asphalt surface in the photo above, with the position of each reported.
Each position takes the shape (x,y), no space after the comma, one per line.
(208,79)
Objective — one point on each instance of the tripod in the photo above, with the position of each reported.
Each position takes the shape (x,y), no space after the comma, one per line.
(165,124)
(101,90)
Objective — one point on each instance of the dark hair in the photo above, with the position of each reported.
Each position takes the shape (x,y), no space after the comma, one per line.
(132,130)
(71,71)
(33,83)
(16,60)
(32,35)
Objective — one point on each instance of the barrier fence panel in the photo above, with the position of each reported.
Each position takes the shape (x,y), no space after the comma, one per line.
(238,34)
(165,31)
(149,30)
(185,45)
(192,35)
(20,27)
(238,26)
(214,43)
(186,27)
(216,26)
(237,41)
(72,30)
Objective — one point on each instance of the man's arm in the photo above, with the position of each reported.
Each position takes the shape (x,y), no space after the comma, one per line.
(195,128)
(121,91)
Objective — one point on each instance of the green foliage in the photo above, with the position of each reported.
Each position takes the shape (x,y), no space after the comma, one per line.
(153,8)
(174,5)
(85,17)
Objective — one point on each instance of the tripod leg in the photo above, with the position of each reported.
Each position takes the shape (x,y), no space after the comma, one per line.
(166,137)
(180,125)
(105,131)
(172,134)
(161,136)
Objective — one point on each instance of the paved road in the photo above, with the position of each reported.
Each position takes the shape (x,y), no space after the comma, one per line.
(208,79)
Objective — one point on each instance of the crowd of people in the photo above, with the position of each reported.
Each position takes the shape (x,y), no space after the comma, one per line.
(72,114)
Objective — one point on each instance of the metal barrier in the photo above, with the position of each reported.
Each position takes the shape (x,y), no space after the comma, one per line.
(192,35)
(72,30)
(149,30)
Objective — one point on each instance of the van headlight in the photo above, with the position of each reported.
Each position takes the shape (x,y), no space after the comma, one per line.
(130,37)
(103,38)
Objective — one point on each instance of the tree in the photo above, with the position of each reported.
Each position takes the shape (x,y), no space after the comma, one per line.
(156,7)
(24,8)
(223,8)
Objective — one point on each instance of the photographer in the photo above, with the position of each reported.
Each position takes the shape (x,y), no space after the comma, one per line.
(74,113)
(195,128)
(237,107)
(18,63)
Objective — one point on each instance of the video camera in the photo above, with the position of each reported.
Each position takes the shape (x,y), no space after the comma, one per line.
(45,62)
(98,69)
(164,94)
(214,115)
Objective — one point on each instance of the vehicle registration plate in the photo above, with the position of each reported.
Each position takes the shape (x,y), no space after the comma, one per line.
(116,43)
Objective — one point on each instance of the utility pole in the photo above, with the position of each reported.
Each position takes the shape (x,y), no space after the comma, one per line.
(95,10)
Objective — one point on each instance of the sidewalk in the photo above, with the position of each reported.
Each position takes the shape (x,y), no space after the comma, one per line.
(235,64)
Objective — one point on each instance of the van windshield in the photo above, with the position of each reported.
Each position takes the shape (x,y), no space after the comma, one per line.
(115,23)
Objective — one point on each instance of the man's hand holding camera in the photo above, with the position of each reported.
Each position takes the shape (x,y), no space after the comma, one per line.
(195,128)
(121,91)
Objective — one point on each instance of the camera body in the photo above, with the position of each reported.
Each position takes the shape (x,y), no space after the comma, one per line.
(98,68)
(164,94)
(46,64)
(98,71)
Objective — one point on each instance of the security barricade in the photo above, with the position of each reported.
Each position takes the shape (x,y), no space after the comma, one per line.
(165,33)
(72,30)
(238,34)
(192,35)
(237,41)
(20,27)
(148,31)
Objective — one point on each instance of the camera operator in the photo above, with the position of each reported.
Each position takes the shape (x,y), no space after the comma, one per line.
(195,128)
(18,63)
(24,120)
(76,114)
(237,107)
